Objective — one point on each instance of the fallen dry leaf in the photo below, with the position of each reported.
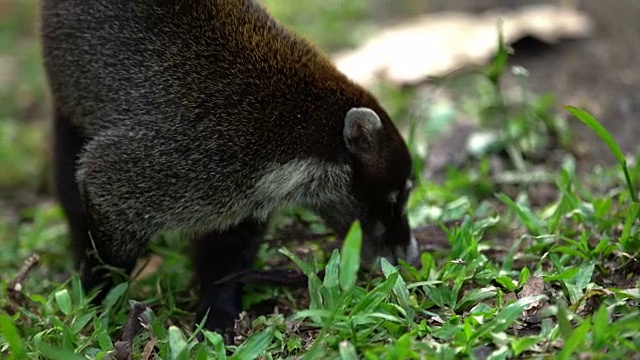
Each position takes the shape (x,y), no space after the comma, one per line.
(439,44)
(591,301)
(533,286)
(433,237)
(147,267)
(136,322)
(147,353)
(242,328)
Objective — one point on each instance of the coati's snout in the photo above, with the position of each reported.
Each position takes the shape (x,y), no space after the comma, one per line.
(382,183)
(390,238)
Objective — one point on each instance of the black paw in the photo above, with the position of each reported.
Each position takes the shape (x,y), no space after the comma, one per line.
(218,319)
(98,283)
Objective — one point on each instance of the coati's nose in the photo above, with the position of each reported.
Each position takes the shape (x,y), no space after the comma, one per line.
(409,253)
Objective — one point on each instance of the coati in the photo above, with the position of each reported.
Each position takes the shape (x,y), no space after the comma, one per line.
(205,117)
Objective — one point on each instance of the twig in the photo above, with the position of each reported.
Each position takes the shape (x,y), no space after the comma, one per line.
(136,322)
(15,287)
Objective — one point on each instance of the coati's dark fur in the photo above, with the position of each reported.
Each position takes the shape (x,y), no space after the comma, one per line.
(205,117)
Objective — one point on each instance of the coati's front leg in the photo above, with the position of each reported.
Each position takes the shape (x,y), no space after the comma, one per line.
(216,255)
(118,221)
(67,147)
(96,270)
(108,249)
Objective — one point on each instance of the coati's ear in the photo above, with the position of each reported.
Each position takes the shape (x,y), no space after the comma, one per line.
(361,127)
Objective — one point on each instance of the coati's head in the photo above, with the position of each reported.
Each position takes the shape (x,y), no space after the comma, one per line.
(381,167)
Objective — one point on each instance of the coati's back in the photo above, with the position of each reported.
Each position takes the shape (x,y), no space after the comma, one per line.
(180,58)
(139,56)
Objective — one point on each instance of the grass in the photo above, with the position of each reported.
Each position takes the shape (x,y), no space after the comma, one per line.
(508,273)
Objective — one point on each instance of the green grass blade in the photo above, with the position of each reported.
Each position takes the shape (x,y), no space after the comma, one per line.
(306,269)
(606,137)
(63,299)
(256,344)
(217,341)
(347,351)
(315,284)
(10,333)
(527,217)
(371,301)
(350,261)
(177,343)
(574,340)
(626,238)
(115,294)
(52,353)
(400,290)
(330,290)
(595,125)
(506,317)
(475,296)
(80,322)
(499,63)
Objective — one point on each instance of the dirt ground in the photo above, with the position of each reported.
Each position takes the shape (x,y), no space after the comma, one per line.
(601,74)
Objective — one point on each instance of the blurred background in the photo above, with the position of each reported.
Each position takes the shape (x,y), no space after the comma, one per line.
(598,70)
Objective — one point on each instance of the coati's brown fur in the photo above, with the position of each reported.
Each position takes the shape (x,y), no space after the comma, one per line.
(205,117)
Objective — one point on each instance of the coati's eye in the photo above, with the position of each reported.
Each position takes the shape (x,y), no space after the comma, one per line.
(393,197)
(397,198)
(404,193)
